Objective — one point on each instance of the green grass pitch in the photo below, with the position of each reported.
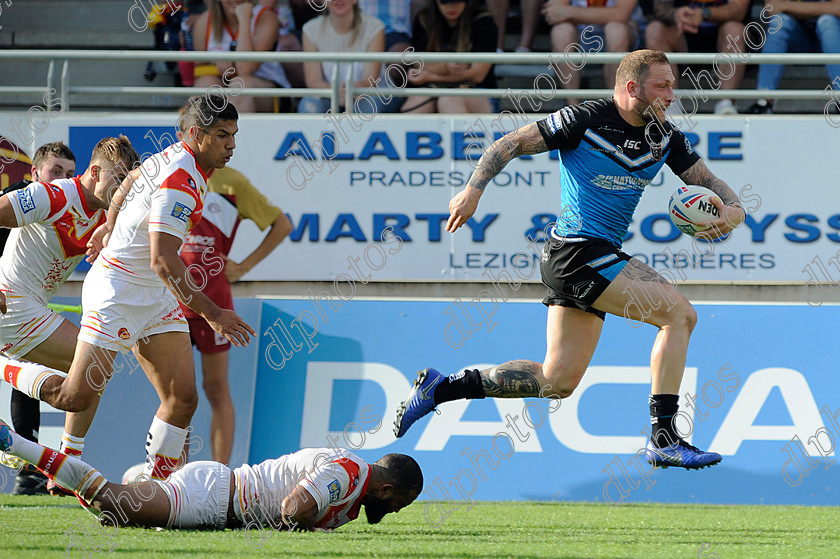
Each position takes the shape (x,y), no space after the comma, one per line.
(44,526)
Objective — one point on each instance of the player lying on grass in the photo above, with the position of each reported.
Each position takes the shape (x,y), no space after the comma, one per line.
(314,488)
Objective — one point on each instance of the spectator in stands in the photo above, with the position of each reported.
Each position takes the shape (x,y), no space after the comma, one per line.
(396,15)
(193,9)
(343,27)
(500,10)
(239,26)
(593,25)
(305,10)
(692,26)
(805,26)
(287,39)
(453,26)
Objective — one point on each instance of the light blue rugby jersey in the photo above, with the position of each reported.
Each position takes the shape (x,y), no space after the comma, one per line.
(605,165)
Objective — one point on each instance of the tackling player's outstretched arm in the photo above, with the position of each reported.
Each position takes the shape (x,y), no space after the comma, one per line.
(528,140)
(732,214)
(172,270)
(99,239)
(7,213)
(300,511)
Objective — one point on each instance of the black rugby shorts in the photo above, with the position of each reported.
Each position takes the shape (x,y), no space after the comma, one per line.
(576,272)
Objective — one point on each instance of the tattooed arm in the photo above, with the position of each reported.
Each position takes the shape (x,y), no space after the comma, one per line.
(526,141)
(732,214)
(663,10)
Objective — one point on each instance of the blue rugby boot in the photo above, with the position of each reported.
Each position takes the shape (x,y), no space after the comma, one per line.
(5,444)
(420,401)
(680,455)
(5,436)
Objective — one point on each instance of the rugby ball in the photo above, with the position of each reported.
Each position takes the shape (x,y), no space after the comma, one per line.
(134,472)
(691,205)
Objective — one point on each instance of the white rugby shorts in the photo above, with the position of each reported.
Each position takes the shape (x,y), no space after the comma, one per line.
(199,494)
(117,314)
(27,323)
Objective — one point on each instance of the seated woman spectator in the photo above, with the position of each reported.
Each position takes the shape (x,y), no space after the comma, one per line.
(453,26)
(239,26)
(343,27)
(288,39)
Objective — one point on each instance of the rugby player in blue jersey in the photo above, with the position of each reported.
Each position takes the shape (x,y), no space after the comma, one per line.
(610,149)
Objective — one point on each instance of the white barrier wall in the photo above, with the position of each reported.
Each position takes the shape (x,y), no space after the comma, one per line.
(400,172)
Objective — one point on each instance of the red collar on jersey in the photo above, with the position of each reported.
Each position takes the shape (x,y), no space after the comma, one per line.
(88,212)
(196,161)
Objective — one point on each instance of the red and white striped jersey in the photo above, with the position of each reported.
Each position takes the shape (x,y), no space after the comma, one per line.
(168,197)
(336,479)
(55,224)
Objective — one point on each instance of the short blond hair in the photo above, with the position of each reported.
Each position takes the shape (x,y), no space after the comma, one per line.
(636,66)
(115,152)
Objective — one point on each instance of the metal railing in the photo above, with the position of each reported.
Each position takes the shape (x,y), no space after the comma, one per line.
(63,88)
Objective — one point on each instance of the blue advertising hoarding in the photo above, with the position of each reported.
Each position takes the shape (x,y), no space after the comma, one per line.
(757,376)
(760,388)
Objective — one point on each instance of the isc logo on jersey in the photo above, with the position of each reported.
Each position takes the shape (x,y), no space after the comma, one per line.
(182,212)
(335,490)
(25,200)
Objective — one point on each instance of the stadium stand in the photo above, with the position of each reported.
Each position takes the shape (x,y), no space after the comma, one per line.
(68,25)
(26,25)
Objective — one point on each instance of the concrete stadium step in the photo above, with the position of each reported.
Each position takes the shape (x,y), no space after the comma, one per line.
(88,73)
(64,24)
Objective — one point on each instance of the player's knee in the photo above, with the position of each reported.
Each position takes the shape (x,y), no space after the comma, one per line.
(685,316)
(561,379)
(217,393)
(564,391)
(185,403)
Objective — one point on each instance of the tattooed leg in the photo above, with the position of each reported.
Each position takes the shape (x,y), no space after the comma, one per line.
(514,379)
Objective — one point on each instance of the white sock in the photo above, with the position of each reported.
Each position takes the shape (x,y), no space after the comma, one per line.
(164,445)
(65,470)
(71,445)
(27,377)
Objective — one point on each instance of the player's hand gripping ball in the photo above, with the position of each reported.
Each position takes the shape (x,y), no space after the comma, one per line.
(691,208)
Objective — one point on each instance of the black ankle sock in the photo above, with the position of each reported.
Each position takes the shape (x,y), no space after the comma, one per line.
(460,386)
(26,415)
(663,408)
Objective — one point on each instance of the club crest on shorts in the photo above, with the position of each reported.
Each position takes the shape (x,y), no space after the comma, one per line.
(123,334)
